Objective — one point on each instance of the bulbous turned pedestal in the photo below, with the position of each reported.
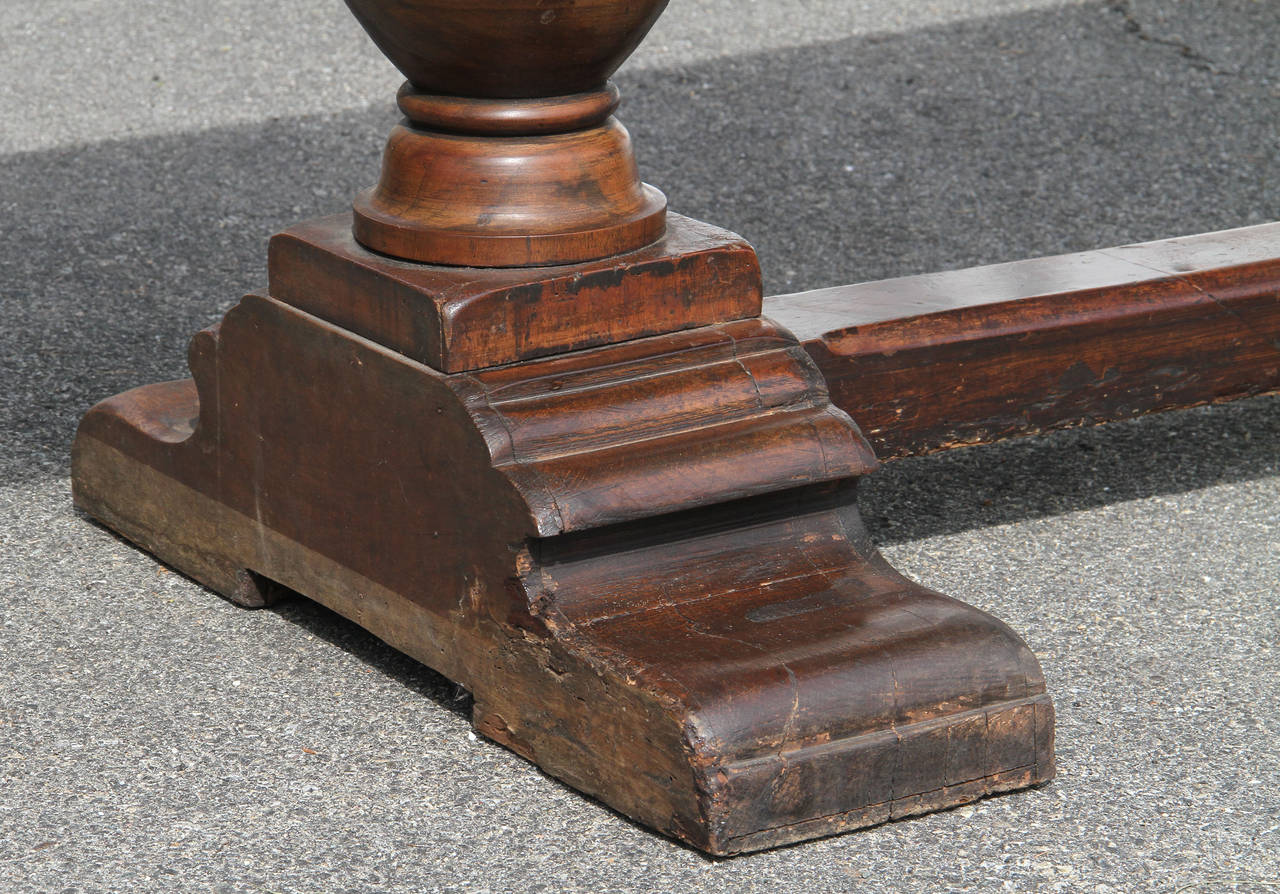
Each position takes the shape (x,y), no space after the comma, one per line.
(508,154)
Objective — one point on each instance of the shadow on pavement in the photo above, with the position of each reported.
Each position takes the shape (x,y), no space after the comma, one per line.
(976,142)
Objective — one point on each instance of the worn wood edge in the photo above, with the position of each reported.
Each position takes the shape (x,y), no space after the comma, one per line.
(123,492)
(934,801)
(1112,335)
(445,317)
(823,314)
(565,695)
(1038,770)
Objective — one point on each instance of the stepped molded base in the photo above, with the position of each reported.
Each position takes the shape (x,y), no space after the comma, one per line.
(643,560)
(514,201)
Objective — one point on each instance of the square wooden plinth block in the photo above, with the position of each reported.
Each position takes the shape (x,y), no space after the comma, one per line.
(460,318)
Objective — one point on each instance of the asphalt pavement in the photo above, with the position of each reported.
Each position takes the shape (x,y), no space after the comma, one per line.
(154,737)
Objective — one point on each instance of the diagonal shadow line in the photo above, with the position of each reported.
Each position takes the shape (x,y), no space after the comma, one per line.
(973,142)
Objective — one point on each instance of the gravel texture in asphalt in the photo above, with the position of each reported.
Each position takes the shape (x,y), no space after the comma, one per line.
(154,737)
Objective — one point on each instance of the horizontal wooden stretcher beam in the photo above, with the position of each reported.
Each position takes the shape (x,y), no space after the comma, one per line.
(940,360)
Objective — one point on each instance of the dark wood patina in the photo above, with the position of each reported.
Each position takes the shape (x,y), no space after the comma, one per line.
(508,155)
(942,360)
(644,561)
(531,429)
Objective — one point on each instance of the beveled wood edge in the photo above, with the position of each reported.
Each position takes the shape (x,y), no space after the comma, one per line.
(828,313)
(942,360)
(458,319)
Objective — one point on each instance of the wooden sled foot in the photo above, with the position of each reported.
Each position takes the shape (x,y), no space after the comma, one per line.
(529,428)
(644,560)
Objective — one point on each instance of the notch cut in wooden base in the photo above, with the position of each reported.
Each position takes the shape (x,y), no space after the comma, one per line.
(644,560)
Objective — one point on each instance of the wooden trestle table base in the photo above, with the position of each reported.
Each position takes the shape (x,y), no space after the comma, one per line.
(532,430)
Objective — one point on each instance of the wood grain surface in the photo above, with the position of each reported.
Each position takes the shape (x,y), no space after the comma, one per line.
(460,318)
(508,155)
(942,360)
(644,560)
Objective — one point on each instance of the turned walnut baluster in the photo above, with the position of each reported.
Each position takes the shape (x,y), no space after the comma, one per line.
(509,155)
